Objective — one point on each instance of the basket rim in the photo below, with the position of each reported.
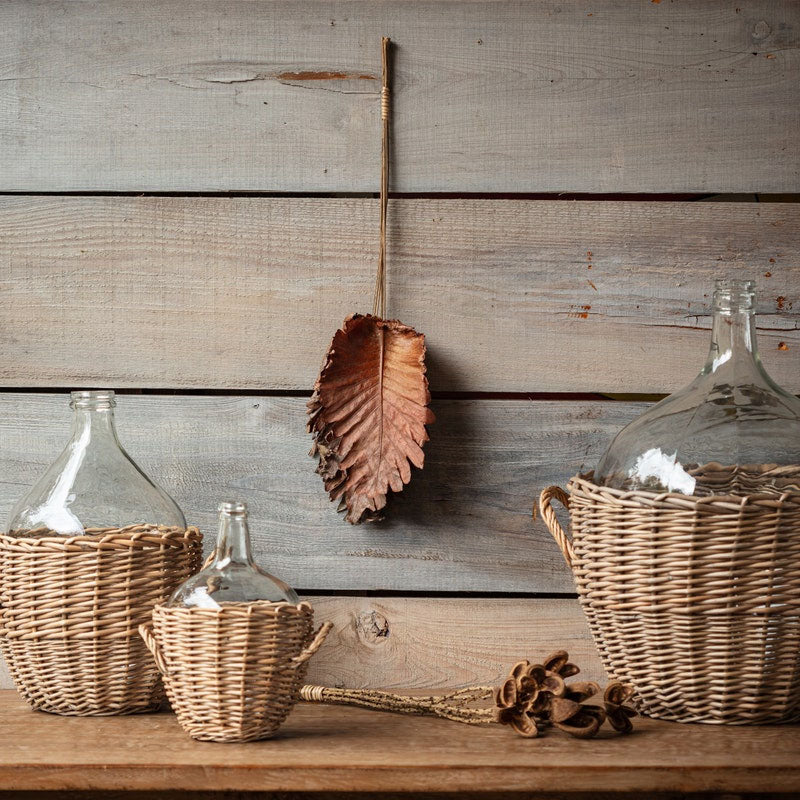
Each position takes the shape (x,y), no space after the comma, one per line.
(137,534)
(583,485)
(261,608)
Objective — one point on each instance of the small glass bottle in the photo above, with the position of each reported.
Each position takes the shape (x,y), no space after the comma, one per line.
(733,430)
(233,576)
(94,484)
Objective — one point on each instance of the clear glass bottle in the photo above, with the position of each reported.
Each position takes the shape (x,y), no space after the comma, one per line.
(733,430)
(233,576)
(94,483)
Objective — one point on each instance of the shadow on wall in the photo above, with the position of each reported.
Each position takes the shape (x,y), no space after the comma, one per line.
(452,468)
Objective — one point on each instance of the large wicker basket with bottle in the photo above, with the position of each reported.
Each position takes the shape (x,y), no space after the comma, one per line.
(695,600)
(233,673)
(70,608)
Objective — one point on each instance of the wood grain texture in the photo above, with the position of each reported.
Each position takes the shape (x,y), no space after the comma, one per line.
(336,748)
(423,642)
(122,794)
(512,295)
(463,524)
(492,96)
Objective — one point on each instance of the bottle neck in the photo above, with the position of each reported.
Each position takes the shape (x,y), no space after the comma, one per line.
(94,424)
(233,540)
(733,340)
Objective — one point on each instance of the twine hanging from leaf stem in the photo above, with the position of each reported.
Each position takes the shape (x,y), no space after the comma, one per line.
(379,301)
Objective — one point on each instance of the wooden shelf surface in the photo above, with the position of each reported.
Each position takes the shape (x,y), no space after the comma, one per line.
(328,748)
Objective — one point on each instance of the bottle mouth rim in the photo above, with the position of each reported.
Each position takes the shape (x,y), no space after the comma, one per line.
(233,508)
(92,398)
(734,294)
(734,285)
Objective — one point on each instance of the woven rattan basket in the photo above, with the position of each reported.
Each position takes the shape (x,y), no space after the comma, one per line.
(70,609)
(233,674)
(693,600)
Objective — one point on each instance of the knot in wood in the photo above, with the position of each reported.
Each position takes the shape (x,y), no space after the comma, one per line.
(372,627)
(761,30)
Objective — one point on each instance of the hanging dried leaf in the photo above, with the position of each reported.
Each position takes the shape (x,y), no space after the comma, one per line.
(368,413)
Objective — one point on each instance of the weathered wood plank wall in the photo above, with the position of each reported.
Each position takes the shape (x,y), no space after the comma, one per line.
(464,524)
(223,303)
(607,96)
(238,293)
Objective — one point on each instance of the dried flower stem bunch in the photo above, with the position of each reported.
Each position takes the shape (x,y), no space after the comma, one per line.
(532,698)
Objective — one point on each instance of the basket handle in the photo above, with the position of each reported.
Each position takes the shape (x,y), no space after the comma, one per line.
(553,525)
(314,644)
(146,632)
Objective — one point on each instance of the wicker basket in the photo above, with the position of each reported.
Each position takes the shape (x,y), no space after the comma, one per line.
(70,609)
(693,600)
(233,674)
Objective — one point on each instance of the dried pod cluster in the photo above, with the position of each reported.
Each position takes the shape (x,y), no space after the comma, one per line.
(537,695)
(368,413)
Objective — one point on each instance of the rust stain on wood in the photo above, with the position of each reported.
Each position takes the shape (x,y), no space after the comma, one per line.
(584,314)
(783,346)
(309,75)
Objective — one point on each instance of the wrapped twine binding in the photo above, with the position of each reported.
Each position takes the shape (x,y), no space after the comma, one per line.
(456,706)
(233,674)
(695,600)
(70,608)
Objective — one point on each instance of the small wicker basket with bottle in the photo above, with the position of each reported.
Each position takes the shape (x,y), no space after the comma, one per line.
(234,673)
(233,642)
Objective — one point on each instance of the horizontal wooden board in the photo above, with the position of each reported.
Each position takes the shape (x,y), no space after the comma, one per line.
(488,97)
(463,524)
(424,642)
(332,748)
(514,296)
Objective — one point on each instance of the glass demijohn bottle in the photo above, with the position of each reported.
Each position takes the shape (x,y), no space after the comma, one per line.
(94,483)
(733,430)
(233,576)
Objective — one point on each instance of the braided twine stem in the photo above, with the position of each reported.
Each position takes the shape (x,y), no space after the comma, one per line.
(379,300)
(455,706)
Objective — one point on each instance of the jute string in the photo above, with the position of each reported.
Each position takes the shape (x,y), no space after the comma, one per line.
(456,706)
(379,301)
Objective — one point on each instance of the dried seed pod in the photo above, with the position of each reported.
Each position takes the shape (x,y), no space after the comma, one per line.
(558,662)
(584,723)
(618,713)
